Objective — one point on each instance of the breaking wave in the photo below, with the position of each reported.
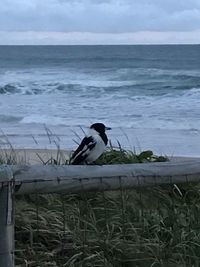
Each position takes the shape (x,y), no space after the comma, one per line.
(9,89)
(129,89)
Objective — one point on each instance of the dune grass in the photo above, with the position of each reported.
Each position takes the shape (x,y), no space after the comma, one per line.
(155,227)
(129,228)
(122,156)
(113,155)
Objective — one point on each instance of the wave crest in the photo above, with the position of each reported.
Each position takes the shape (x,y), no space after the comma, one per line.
(9,89)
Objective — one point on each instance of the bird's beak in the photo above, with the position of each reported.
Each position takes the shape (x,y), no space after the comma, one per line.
(108,128)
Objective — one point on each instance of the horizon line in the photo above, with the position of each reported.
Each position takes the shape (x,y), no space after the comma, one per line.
(142,44)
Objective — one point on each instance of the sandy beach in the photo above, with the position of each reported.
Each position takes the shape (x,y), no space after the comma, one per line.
(45,156)
(35,156)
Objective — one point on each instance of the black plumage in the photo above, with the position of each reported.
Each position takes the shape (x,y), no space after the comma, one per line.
(80,154)
(92,146)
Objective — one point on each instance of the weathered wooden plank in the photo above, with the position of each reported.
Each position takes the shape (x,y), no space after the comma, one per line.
(6,218)
(73,179)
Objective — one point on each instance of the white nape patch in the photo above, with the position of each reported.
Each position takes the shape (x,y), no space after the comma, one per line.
(93,133)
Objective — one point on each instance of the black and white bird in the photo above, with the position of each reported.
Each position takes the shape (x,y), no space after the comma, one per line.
(92,145)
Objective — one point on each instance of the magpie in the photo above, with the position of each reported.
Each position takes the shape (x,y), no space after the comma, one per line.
(92,145)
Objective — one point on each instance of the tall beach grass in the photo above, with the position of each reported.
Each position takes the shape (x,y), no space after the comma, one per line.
(154,227)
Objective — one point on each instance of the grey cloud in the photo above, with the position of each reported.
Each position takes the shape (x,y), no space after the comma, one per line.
(114,16)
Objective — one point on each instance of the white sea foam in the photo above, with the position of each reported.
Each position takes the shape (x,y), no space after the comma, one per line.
(170,111)
(43,119)
(152,96)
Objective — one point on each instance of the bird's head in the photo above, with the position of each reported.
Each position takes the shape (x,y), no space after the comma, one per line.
(99,127)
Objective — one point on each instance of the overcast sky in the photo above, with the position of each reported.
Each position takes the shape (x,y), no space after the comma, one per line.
(99,21)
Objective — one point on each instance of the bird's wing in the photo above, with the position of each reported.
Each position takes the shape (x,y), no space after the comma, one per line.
(81,153)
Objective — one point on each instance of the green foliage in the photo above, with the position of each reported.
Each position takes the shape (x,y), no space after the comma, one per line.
(122,156)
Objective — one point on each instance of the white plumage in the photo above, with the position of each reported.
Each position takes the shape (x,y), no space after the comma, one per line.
(92,146)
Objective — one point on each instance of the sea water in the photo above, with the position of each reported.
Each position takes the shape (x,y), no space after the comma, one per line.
(149,95)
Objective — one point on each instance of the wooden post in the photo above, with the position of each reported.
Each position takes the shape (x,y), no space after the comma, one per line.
(6,218)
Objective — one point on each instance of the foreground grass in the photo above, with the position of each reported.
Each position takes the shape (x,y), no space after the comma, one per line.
(156,227)
(129,228)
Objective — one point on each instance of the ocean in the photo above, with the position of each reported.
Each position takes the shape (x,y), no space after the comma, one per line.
(148,94)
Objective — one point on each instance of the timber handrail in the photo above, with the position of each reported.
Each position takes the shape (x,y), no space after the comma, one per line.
(74,179)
